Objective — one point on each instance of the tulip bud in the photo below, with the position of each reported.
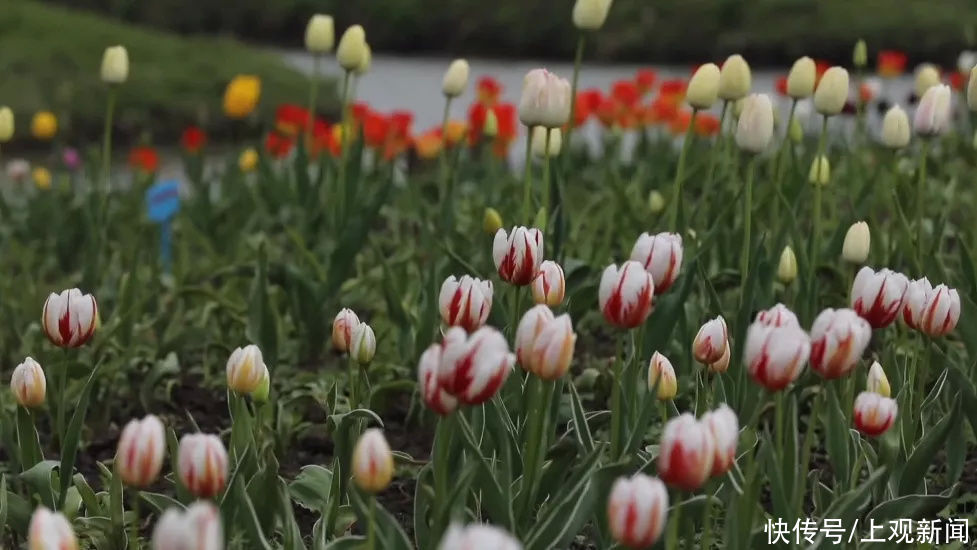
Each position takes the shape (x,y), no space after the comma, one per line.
(874,414)
(432,392)
(539,148)
(857,240)
(6,124)
(775,355)
(530,327)
(491,221)
(69,318)
(927,76)
(352,48)
(711,340)
(517,254)
(795,130)
(50,530)
(832,91)
(966,61)
(260,394)
(877,382)
(455,78)
(491,127)
(734,78)
(465,302)
(41,177)
(838,340)
(686,453)
(722,365)
(933,112)
(28,384)
(474,367)
(661,256)
(972,90)
(363,344)
(754,129)
(202,464)
(787,267)
(365,60)
(860,55)
(115,65)
(637,510)
(342,329)
(248,160)
(656,202)
(139,456)
(549,285)
(373,463)
(878,297)
(545,100)
(778,316)
(477,536)
(724,428)
(801,78)
(662,374)
(320,34)
(589,15)
(245,369)
(625,294)
(932,311)
(895,128)
(703,88)
(820,173)
(44,125)
(198,528)
(552,349)
(241,96)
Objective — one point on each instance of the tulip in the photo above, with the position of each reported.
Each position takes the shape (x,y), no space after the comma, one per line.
(552,349)
(661,374)
(932,311)
(28,384)
(241,96)
(69,319)
(260,394)
(491,127)
(703,88)
(342,329)
(363,344)
(801,78)
(877,382)
(539,146)
(589,15)
(754,129)
(6,124)
(139,456)
(656,202)
(972,90)
(352,48)
(245,369)
(636,510)
(857,241)
(795,132)
(197,528)
(41,177)
(686,453)
(933,112)
(170,532)
(832,91)
(966,61)
(518,254)
(365,61)
(320,34)
(710,342)
(44,125)
(724,428)
(874,414)
(778,316)
(661,256)
(787,266)
(474,536)
(474,367)
(625,294)
(820,173)
(432,392)
(775,355)
(373,463)
(838,340)
(18,169)
(734,78)
(465,302)
(115,65)
(530,326)
(860,54)
(878,297)
(248,160)
(722,364)
(895,128)
(202,464)
(491,221)
(927,76)
(549,284)
(50,531)
(455,78)
(545,100)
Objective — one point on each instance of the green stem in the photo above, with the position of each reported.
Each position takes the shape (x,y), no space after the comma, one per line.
(816,234)
(616,410)
(546,184)
(371,533)
(671,538)
(675,211)
(706,541)
(747,222)
(779,421)
(713,153)
(62,391)
(446,116)
(800,487)
(107,139)
(778,180)
(344,150)
(920,189)
(577,61)
(442,451)
(313,93)
(539,406)
(134,537)
(527,182)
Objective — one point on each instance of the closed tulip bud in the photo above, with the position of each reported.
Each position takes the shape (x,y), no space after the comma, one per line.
(795,130)
(927,76)
(754,129)
(241,96)
(69,319)
(703,88)
(722,365)
(877,382)
(465,302)
(432,392)
(625,294)
(932,311)
(801,78)
(28,384)
(44,125)
(261,393)
(171,531)
(491,221)
(245,369)
(878,297)
(710,342)
(491,127)
(895,128)
(838,340)
(474,367)
(530,327)
(832,91)
(857,243)
(455,78)
(248,160)
(115,65)
(549,285)
(661,256)
(734,78)
(320,34)
(972,90)
(139,456)
(545,100)
(517,254)
(363,344)
(966,61)
(203,522)
(860,55)
(724,428)
(373,463)
(787,267)
(775,355)
(474,536)
(656,202)
(820,173)
(589,15)
(365,61)
(933,112)
(553,349)
(6,124)
(202,464)
(661,375)
(352,48)
(686,453)
(539,146)
(342,329)
(778,316)
(873,413)
(50,531)
(636,510)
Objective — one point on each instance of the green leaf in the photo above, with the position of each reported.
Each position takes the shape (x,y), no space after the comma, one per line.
(581,430)
(3,504)
(424,506)
(847,505)
(567,510)
(496,503)
(312,487)
(92,506)
(27,439)
(389,534)
(39,479)
(17,510)
(923,455)
(73,435)
(159,502)
(909,507)
(968,395)
(247,517)
(346,543)
(262,320)
(117,511)
(292,535)
(837,437)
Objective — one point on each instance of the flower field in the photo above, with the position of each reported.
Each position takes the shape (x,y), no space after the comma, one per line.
(747,330)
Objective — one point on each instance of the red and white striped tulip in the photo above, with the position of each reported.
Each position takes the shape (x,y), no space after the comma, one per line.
(878,296)
(636,510)
(70,318)
(874,413)
(661,256)
(518,254)
(625,294)
(778,316)
(139,456)
(202,464)
(477,536)
(687,453)
(465,302)
(28,384)
(474,367)
(50,531)
(722,365)
(245,369)
(711,341)
(553,349)
(549,285)
(342,329)
(432,392)
(373,462)
(662,373)
(838,340)
(528,330)
(724,428)
(932,311)
(197,528)
(775,356)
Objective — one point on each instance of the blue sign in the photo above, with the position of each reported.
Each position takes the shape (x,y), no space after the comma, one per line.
(163,200)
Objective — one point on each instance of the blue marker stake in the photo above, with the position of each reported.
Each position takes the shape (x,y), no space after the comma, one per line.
(162,204)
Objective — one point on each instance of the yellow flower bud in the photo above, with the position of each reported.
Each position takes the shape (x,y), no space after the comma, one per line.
(28,384)
(260,394)
(927,76)
(734,78)
(539,145)
(703,88)
(877,381)
(455,78)
(41,177)
(972,90)
(352,48)
(801,78)
(365,61)
(6,124)
(832,91)
(589,15)
(245,369)
(491,127)
(373,463)
(860,55)
(656,202)
(895,128)
(248,160)
(787,268)
(320,34)
(820,173)
(795,131)
(857,243)
(115,65)
(491,221)
(44,125)
(662,374)
(241,96)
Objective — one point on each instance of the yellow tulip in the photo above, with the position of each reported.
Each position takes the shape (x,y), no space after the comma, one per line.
(241,96)
(44,125)
(41,177)
(248,160)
